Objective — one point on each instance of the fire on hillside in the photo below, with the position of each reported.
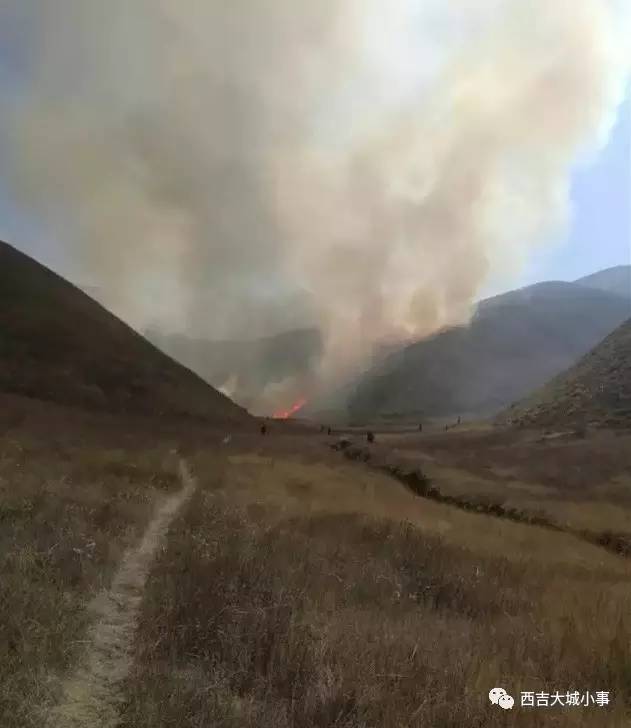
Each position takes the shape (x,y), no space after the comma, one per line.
(294,409)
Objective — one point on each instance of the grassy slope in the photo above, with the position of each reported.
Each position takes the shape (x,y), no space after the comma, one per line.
(58,344)
(312,594)
(597,390)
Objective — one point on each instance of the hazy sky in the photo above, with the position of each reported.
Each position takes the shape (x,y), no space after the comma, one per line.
(600,234)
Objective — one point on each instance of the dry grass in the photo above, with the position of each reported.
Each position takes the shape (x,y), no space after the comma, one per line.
(302,590)
(308,595)
(66,515)
(579,483)
(596,390)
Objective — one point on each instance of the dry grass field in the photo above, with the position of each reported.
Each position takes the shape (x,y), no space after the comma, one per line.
(299,590)
(581,483)
(73,497)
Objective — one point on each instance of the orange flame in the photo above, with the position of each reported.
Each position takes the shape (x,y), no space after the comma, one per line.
(286,414)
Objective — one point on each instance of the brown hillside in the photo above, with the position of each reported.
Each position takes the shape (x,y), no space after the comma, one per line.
(597,390)
(58,344)
(514,344)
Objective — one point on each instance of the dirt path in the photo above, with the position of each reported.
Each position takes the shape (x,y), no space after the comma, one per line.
(91,695)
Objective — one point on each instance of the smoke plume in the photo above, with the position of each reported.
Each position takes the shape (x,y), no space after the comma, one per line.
(235,169)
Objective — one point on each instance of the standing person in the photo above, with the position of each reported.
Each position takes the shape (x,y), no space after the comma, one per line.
(420,427)
(263,429)
(370,436)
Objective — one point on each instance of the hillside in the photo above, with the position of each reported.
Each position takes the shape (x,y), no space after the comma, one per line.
(612,280)
(57,344)
(596,391)
(245,367)
(515,343)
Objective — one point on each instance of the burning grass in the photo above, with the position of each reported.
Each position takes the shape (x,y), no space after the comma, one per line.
(285,414)
(275,606)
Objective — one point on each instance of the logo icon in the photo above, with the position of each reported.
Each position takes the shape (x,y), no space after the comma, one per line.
(499,696)
(506,702)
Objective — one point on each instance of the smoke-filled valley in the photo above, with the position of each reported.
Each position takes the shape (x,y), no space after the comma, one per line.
(230,171)
(292,432)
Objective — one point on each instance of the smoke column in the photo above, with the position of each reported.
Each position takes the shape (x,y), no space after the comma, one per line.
(233,169)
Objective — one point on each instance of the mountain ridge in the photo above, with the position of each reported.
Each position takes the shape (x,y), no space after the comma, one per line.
(515,343)
(616,279)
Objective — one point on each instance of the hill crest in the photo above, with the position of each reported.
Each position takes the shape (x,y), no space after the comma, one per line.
(58,344)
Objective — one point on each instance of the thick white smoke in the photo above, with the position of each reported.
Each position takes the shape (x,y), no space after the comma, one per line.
(236,168)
